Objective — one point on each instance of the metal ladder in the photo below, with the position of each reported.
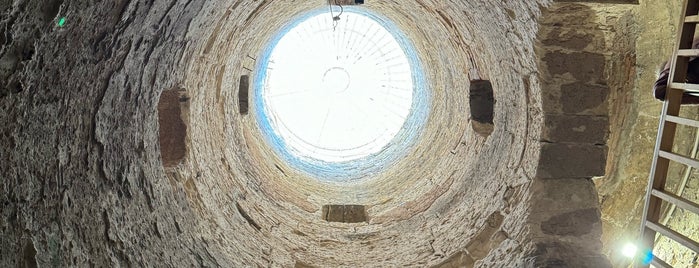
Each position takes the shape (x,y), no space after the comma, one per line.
(669,119)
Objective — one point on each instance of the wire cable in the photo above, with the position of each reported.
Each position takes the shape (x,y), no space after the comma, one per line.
(342,9)
(332,14)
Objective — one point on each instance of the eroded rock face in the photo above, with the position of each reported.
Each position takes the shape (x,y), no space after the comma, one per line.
(87,179)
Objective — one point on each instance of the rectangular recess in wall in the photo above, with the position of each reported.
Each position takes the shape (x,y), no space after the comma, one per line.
(344,213)
(347,2)
(172,131)
(482,101)
(243,88)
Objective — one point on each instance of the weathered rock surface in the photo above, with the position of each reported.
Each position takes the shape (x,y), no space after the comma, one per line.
(94,170)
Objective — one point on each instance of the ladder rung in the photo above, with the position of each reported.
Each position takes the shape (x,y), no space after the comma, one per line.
(682,121)
(677,237)
(686,87)
(692,19)
(677,200)
(679,159)
(688,52)
(657,262)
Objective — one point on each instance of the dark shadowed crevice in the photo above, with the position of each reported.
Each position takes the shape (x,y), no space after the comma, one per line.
(247,217)
(482,102)
(173,130)
(29,255)
(243,88)
(51,8)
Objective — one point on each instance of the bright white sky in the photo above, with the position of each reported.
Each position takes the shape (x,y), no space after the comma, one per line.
(338,95)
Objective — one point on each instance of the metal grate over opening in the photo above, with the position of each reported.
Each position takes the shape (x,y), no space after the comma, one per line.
(332,94)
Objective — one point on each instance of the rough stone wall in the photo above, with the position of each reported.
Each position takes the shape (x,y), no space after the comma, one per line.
(573,53)
(80,183)
(83,177)
(634,120)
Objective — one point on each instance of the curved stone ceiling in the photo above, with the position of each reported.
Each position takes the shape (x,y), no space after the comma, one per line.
(340,94)
(107,196)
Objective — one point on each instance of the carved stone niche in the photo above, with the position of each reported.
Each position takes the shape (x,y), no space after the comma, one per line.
(345,213)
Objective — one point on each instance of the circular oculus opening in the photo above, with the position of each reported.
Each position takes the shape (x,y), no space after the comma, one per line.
(341,97)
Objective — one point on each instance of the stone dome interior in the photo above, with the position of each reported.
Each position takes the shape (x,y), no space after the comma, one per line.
(134,135)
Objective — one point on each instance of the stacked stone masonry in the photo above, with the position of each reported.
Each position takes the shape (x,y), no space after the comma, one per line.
(574,137)
(123,142)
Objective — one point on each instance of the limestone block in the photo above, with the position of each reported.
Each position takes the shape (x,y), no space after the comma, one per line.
(560,196)
(577,98)
(566,224)
(573,128)
(566,254)
(583,66)
(576,16)
(571,160)
(577,40)
(575,223)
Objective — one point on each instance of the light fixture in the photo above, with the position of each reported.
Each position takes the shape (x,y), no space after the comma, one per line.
(629,250)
